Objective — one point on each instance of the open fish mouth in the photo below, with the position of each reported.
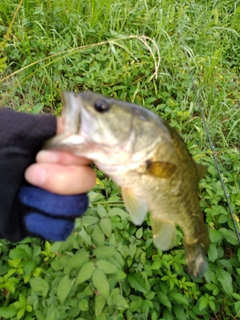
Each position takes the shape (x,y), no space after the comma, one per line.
(73,106)
(71,114)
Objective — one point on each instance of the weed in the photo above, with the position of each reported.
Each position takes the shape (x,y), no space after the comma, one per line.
(132,50)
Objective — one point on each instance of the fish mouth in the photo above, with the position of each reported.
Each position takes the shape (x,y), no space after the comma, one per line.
(77,119)
(71,114)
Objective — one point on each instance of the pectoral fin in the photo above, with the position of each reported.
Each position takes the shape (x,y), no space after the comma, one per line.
(161,169)
(137,207)
(164,234)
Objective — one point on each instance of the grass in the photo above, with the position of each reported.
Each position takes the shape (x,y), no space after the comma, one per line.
(52,46)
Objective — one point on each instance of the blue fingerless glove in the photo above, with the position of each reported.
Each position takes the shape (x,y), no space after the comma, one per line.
(51,216)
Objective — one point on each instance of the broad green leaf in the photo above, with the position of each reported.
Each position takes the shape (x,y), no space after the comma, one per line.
(56,246)
(102,252)
(225,264)
(94,196)
(212,252)
(135,304)
(178,297)
(106,267)
(21,302)
(113,240)
(40,286)
(64,288)
(100,302)
(85,237)
(163,298)
(150,295)
(101,316)
(8,312)
(124,250)
(83,305)
(10,284)
(210,286)
(86,272)
(215,235)
(40,315)
(29,266)
(212,305)
(167,315)
(101,211)
(236,295)
(78,259)
(119,212)
(14,263)
(47,247)
(179,312)
(139,233)
(223,218)
(37,272)
(100,282)
(132,250)
(18,253)
(106,226)
(145,307)
(237,307)
(203,303)
(120,301)
(29,308)
(229,235)
(137,282)
(156,265)
(115,262)
(20,313)
(2,60)
(120,275)
(225,279)
(89,220)
(120,261)
(98,236)
(154,316)
(113,199)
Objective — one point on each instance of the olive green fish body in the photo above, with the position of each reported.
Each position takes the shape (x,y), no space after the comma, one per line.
(148,160)
(172,198)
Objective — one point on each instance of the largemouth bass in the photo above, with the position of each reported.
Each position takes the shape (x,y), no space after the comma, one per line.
(149,161)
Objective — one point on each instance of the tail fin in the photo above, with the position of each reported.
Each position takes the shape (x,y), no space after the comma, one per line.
(195,252)
(196,260)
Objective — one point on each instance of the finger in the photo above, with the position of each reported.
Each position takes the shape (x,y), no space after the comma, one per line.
(60,125)
(61,157)
(68,180)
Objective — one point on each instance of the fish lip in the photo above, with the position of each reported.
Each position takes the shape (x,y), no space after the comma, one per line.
(71,112)
(74,113)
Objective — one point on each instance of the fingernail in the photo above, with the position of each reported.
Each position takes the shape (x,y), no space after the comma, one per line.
(47,156)
(36,175)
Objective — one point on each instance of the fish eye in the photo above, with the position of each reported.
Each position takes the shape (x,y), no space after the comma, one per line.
(101,106)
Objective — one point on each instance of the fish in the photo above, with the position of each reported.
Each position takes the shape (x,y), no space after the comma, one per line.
(150,162)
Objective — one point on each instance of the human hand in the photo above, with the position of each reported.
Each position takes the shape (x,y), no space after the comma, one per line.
(61,172)
(62,181)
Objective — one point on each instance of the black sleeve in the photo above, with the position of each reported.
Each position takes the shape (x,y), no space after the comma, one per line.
(21,137)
